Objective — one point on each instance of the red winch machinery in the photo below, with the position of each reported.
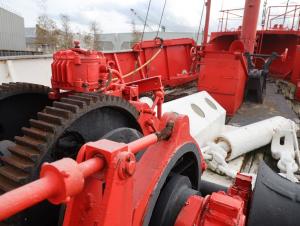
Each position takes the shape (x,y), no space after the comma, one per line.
(116,160)
(144,170)
(110,183)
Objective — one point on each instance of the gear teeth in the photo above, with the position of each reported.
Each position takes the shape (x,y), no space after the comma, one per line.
(8,185)
(50,118)
(47,127)
(87,100)
(80,104)
(36,133)
(58,112)
(25,152)
(13,88)
(66,106)
(18,162)
(92,96)
(26,155)
(30,142)
(12,174)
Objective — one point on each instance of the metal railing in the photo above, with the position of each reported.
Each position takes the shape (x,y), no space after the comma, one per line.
(4,52)
(285,17)
(228,17)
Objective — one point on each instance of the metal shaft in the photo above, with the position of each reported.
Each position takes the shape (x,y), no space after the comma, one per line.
(28,195)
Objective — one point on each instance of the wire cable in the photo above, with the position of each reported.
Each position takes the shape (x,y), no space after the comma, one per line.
(146,20)
(162,14)
(199,28)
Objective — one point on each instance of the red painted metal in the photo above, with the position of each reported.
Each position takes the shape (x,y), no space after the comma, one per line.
(280,31)
(250,18)
(224,71)
(226,85)
(78,70)
(59,181)
(65,178)
(206,26)
(191,212)
(129,185)
(173,63)
(107,186)
(242,188)
(271,41)
(219,208)
(85,70)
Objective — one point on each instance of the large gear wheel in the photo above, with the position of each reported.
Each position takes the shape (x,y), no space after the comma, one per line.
(57,132)
(18,102)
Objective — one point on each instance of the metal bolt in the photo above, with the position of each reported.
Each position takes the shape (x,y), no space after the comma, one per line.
(130,168)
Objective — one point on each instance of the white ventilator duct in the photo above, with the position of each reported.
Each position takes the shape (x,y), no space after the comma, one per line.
(239,141)
(206,116)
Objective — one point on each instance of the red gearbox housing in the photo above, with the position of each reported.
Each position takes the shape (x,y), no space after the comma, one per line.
(78,69)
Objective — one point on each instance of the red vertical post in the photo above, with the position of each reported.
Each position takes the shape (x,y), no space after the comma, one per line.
(205,35)
(250,18)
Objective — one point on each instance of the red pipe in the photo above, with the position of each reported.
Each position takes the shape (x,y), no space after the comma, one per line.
(142,143)
(23,197)
(249,27)
(48,186)
(55,184)
(91,166)
(206,27)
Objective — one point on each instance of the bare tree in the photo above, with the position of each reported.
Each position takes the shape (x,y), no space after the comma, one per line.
(66,40)
(95,32)
(88,40)
(47,34)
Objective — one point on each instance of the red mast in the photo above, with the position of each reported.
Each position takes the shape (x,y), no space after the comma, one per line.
(205,35)
(248,33)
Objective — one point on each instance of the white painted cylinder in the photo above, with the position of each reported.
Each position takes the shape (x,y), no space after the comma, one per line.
(247,138)
(206,115)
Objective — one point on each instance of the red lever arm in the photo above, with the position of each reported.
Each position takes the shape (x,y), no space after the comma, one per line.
(58,182)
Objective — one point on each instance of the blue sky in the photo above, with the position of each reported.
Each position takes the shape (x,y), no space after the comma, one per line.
(115,15)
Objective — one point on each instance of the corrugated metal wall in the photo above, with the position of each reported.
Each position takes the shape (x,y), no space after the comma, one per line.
(12,32)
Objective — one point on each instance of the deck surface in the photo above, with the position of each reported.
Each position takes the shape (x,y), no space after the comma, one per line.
(274,105)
